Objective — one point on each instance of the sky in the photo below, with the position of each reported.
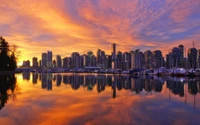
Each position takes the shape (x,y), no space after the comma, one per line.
(66,26)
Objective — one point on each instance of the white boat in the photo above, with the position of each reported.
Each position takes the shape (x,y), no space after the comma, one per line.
(125,72)
(178,72)
(191,72)
(197,72)
(161,71)
(145,72)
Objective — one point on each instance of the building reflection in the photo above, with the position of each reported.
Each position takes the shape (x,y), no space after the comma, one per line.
(58,80)
(117,83)
(26,75)
(176,86)
(34,78)
(47,81)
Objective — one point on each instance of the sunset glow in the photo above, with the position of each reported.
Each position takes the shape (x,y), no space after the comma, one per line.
(65,26)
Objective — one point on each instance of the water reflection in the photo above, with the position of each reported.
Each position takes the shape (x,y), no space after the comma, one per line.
(119,82)
(175,85)
(7,88)
(120,99)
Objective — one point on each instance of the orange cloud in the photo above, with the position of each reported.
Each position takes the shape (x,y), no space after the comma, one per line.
(67,26)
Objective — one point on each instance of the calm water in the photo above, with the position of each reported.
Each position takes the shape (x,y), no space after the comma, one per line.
(76,99)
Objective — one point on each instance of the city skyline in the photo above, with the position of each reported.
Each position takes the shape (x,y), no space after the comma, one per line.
(178,56)
(67,26)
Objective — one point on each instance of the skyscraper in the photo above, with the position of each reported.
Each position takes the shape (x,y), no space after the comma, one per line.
(136,59)
(126,60)
(44,60)
(158,62)
(101,57)
(49,59)
(192,58)
(75,60)
(58,61)
(198,59)
(89,59)
(177,56)
(108,62)
(67,62)
(181,47)
(34,62)
(148,59)
(114,65)
(169,60)
(119,60)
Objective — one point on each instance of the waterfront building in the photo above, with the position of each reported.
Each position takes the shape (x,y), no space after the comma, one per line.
(136,59)
(44,60)
(192,58)
(67,62)
(54,63)
(108,62)
(58,61)
(148,59)
(34,62)
(49,59)
(159,60)
(114,64)
(75,60)
(198,59)
(101,58)
(176,57)
(169,61)
(26,63)
(181,47)
(119,60)
(126,60)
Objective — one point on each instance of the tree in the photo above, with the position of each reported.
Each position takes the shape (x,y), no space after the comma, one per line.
(8,60)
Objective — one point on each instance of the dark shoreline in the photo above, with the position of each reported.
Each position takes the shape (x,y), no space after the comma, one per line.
(7,72)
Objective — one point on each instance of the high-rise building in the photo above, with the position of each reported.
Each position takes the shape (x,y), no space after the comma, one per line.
(192,58)
(67,62)
(169,60)
(58,61)
(34,62)
(114,64)
(49,59)
(108,62)
(75,60)
(148,59)
(181,47)
(176,57)
(89,59)
(136,59)
(119,60)
(26,63)
(44,60)
(54,63)
(198,59)
(158,61)
(182,60)
(126,60)
(101,57)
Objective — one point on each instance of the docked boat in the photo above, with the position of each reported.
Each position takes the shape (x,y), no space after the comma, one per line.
(197,72)
(191,72)
(161,71)
(145,72)
(178,72)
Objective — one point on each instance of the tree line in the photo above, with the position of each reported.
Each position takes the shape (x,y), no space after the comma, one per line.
(8,59)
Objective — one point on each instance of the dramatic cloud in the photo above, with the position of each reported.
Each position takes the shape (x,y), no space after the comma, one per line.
(65,26)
